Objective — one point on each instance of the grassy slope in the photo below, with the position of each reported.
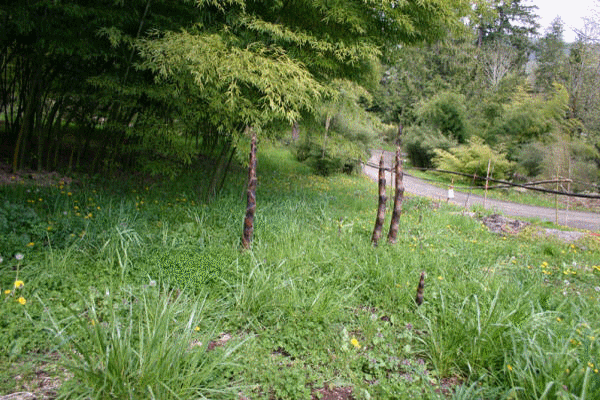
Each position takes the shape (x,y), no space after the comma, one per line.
(312,306)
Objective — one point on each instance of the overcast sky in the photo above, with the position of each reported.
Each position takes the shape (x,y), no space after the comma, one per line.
(570,11)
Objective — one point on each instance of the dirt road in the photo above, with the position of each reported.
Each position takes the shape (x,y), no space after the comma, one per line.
(574,219)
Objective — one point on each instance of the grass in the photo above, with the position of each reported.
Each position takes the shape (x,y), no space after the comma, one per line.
(136,290)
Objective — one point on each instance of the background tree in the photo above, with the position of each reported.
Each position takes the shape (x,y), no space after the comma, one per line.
(551,57)
(514,22)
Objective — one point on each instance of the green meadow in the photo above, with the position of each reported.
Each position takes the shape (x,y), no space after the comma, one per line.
(135,289)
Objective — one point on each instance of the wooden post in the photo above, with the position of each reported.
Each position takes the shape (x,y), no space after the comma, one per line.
(487,177)
(251,196)
(569,195)
(556,195)
(381,209)
(398,199)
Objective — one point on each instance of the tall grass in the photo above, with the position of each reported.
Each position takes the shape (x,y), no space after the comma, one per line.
(145,345)
(140,295)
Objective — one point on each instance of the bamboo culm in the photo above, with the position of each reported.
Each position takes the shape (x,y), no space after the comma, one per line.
(382,202)
(251,197)
(398,199)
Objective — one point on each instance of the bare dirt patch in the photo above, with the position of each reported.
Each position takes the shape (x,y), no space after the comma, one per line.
(333,393)
(500,224)
(41,382)
(507,226)
(35,178)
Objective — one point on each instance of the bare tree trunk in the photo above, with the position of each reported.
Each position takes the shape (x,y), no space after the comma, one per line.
(398,199)
(251,196)
(381,209)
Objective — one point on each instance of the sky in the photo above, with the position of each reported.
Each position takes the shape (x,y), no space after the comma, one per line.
(570,11)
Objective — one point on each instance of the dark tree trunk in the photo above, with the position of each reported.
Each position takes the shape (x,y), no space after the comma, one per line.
(398,199)
(381,209)
(251,195)
(27,125)
(226,171)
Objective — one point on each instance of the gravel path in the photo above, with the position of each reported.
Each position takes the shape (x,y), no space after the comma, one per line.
(575,219)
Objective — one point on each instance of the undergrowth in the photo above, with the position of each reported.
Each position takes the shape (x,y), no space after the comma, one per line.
(140,291)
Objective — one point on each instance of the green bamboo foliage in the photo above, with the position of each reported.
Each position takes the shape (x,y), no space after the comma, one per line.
(251,196)
(382,202)
(398,199)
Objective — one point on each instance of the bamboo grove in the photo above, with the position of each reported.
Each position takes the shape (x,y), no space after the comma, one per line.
(151,85)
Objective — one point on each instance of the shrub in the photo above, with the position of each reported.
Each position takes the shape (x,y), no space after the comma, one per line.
(529,158)
(420,143)
(447,113)
(473,158)
(351,133)
(340,155)
(574,159)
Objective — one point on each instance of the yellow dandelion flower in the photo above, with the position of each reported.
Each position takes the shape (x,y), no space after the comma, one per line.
(197,328)
(558,319)
(22,300)
(30,244)
(355,343)
(591,365)
(19,284)
(509,367)
(440,278)
(7,291)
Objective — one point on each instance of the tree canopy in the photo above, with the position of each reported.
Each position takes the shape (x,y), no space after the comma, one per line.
(146,71)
